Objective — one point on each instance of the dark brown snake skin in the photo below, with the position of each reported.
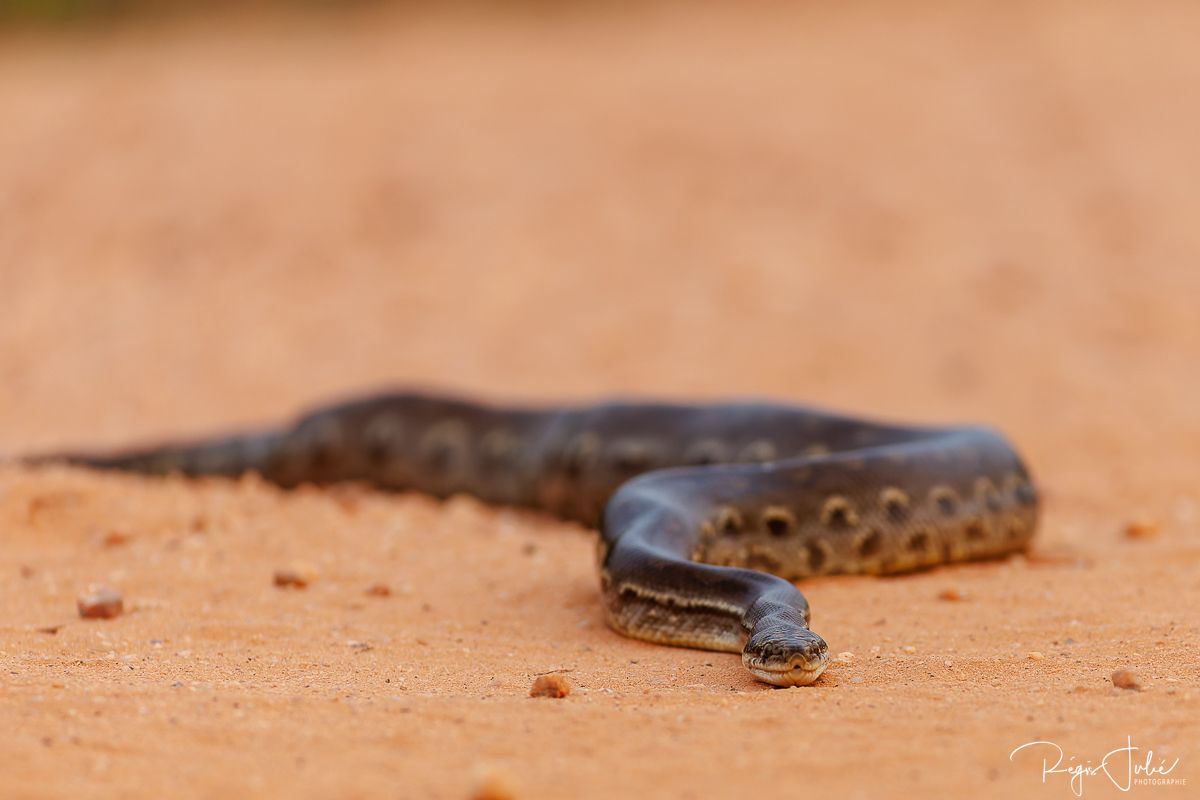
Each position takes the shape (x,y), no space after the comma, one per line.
(706,512)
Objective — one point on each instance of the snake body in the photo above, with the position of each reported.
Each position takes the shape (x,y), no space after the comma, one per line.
(707,513)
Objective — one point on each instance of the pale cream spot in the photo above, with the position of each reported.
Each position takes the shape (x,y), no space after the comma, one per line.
(758,450)
(672,600)
(895,502)
(729,520)
(762,557)
(706,451)
(944,499)
(837,512)
(497,444)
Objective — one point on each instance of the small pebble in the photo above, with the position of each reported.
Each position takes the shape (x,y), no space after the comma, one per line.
(1142,528)
(100,602)
(856,679)
(379,590)
(115,538)
(845,657)
(908,648)
(297,576)
(1125,679)
(1034,656)
(952,594)
(550,686)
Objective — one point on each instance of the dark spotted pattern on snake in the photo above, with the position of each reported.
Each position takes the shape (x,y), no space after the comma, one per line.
(707,513)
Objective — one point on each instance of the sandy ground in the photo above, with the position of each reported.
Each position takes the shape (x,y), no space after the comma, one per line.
(970,212)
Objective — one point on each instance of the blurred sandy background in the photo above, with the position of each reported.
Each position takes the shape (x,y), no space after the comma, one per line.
(924,211)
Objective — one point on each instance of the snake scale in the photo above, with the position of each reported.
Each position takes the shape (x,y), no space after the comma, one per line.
(707,513)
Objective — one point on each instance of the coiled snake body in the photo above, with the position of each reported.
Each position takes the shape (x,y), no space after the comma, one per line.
(706,512)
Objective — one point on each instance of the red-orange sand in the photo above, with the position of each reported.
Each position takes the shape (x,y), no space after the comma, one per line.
(938,213)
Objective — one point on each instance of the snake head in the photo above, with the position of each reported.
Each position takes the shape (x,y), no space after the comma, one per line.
(786,656)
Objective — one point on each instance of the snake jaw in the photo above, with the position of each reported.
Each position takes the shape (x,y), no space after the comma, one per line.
(796,661)
(801,674)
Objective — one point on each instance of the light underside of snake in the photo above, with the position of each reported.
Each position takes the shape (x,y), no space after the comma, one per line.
(706,512)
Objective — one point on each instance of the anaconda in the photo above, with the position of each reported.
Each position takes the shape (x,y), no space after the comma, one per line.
(706,513)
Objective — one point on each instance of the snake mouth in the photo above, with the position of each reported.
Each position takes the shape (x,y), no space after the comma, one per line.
(798,672)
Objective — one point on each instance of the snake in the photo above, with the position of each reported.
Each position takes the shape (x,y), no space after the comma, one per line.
(708,513)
